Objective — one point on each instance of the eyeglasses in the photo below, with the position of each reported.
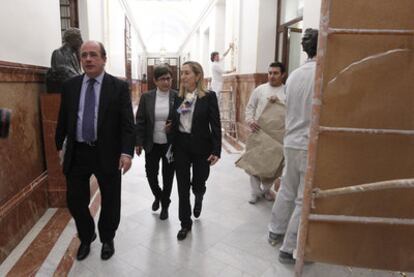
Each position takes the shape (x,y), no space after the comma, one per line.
(163,79)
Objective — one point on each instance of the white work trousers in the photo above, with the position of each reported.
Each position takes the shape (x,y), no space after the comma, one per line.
(256,189)
(287,208)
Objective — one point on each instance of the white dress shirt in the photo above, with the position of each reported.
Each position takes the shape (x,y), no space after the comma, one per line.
(97,89)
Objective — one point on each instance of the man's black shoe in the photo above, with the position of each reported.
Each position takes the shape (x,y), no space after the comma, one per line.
(182,234)
(84,249)
(197,208)
(108,250)
(164,213)
(286,258)
(156,205)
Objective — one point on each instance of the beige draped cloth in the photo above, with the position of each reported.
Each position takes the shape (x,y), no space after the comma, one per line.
(264,149)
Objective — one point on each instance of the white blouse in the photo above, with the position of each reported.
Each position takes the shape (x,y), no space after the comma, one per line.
(186,119)
(162,109)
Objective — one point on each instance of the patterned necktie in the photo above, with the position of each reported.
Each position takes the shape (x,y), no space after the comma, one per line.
(88,120)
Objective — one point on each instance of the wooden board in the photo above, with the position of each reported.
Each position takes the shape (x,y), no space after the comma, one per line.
(366,82)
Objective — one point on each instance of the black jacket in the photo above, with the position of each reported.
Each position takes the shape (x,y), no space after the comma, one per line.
(115,130)
(145,119)
(206,126)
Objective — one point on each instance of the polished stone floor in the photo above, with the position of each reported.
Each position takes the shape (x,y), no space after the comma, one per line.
(229,239)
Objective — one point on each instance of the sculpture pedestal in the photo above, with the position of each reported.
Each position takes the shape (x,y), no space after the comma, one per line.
(56,189)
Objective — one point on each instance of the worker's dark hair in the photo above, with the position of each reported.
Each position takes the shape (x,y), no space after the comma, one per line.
(280,65)
(310,42)
(213,55)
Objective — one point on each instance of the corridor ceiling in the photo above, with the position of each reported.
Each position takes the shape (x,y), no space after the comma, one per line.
(164,25)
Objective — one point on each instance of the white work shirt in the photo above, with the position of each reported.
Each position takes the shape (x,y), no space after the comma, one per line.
(259,99)
(217,72)
(299,93)
(162,109)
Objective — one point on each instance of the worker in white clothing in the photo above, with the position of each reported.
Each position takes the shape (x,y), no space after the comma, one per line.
(217,71)
(287,208)
(259,98)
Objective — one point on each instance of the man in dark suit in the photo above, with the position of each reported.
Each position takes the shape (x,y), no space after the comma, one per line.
(96,121)
(155,111)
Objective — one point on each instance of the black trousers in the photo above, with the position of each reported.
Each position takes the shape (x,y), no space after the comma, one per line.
(185,160)
(152,166)
(84,164)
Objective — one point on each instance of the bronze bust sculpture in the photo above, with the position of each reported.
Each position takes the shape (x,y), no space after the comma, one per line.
(65,61)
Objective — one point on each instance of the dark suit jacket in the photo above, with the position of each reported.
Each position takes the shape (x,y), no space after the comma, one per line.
(206,126)
(116,130)
(145,118)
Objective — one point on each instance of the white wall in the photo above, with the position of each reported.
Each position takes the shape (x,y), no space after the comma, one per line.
(291,10)
(138,56)
(232,28)
(91,19)
(249,27)
(115,38)
(220,32)
(207,41)
(266,35)
(30,31)
(311,14)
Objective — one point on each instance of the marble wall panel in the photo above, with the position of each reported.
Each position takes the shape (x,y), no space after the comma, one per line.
(23,180)
(21,154)
(242,87)
(20,216)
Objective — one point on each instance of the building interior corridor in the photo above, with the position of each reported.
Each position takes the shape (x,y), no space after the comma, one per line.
(230,239)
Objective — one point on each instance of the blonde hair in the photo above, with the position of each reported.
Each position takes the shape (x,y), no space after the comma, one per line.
(198,71)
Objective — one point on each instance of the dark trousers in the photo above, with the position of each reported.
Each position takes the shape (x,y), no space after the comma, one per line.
(185,159)
(84,164)
(152,166)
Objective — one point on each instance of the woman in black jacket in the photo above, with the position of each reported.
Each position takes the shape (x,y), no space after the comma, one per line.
(197,142)
(156,108)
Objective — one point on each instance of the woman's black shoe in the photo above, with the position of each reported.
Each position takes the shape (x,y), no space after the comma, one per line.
(182,234)
(164,213)
(156,204)
(197,208)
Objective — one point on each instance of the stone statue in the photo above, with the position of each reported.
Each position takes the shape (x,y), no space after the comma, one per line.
(65,61)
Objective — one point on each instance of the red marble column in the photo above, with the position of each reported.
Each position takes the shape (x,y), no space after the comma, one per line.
(56,180)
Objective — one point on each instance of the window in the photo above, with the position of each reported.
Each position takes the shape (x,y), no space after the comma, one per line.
(289,33)
(68,14)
